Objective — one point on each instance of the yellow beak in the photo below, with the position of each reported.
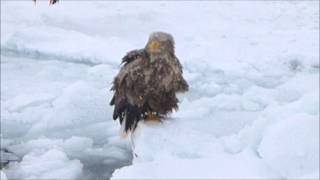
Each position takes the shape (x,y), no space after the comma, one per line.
(154,46)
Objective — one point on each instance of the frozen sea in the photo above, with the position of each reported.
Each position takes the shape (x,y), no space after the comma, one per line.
(252,110)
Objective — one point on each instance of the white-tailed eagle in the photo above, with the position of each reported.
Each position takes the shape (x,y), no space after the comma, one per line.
(146,86)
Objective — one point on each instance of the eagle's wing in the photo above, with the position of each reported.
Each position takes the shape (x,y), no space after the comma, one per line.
(130,88)
(179,84)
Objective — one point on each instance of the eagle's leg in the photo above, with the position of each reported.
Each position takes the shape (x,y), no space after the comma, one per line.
(133,145)
(153,117)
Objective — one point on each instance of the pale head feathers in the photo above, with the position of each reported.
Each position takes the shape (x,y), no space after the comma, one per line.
(160,42)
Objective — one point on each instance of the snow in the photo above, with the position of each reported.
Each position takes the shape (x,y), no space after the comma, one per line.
(290,147)
(229,166)
(3,176)
(252,110)
(51,164)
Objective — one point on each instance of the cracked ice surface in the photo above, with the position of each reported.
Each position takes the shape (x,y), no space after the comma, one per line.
(252,110)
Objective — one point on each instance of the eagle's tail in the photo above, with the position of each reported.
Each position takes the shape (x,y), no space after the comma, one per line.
(129,115)
(132,117)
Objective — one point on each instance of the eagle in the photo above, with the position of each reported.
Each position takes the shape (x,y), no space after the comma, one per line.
(146,86)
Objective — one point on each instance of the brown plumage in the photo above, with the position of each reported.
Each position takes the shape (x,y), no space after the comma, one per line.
(148,82)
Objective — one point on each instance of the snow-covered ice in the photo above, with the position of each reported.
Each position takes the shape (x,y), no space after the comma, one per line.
(252,110)
(48,165)
(3,176)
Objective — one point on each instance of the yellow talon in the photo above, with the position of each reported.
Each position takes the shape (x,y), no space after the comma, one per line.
(151,117)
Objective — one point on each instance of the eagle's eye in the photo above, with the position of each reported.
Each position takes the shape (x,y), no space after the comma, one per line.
(154,46)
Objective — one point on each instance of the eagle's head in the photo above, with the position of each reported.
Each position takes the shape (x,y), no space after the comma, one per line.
(160,42)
